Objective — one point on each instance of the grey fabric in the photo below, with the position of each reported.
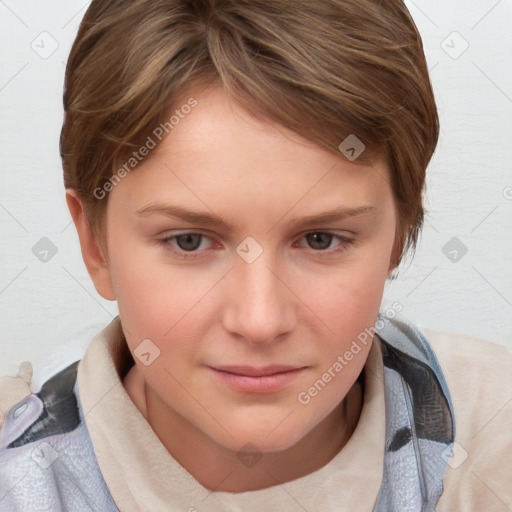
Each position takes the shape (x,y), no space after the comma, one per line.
(420,423)
(47,461)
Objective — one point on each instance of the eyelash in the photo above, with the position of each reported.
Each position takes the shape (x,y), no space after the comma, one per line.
(345,244)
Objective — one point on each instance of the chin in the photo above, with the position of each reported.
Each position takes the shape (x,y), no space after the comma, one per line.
(266,437)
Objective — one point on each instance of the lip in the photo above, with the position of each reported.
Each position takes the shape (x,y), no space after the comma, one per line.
(250,379)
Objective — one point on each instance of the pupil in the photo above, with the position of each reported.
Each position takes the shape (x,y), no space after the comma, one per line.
(314,238)
(191,241)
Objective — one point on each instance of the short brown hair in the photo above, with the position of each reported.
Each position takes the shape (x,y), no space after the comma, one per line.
(324,69)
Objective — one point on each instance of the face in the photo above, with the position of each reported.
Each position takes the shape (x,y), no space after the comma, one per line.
(244,300)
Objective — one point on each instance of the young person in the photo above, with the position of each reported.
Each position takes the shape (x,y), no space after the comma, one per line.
(244,176)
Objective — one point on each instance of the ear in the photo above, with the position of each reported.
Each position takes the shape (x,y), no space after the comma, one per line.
(396,252)
(393,261)
(94,260)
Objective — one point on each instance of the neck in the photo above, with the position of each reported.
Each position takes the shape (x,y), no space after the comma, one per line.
(218,468)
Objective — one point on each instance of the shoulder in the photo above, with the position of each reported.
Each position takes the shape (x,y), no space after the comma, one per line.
(13,389)
(478,374)
(46,456)
(51,411)
(452,347)
(479,378)
(455,350)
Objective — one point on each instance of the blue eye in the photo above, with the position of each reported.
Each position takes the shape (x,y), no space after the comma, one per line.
(186,245)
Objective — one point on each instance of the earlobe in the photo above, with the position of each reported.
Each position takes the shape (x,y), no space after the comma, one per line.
(91,251)
(393,260)
(391,271)
(396,254)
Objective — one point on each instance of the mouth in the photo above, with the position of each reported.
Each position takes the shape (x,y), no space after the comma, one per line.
(250,379)
(252,371)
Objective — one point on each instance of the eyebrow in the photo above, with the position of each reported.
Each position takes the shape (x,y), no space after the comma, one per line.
(209,219)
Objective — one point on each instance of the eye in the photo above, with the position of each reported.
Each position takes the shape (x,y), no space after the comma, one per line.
(320,241)
(184,243)
(188,245)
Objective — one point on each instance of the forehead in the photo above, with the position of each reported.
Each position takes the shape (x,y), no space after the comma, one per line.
(219,119)
(218,154)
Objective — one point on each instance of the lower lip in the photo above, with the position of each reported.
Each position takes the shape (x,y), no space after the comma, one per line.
(260,384)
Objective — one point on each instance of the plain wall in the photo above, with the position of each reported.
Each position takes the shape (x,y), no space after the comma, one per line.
(49,308)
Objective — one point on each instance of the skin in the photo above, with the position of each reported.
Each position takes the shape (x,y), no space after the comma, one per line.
(301,302)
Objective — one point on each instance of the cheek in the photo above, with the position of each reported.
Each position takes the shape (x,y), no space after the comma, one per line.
(347,306)
(347,300)
(347,310)
(152,297)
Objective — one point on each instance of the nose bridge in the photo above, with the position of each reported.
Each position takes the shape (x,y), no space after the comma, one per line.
(260,305)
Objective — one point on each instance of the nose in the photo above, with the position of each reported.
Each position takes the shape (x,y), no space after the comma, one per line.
(260,306)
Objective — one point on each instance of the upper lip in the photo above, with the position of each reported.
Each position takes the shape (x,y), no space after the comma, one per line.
(253,371)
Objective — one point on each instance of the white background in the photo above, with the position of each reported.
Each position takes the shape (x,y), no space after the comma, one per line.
(49,310)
